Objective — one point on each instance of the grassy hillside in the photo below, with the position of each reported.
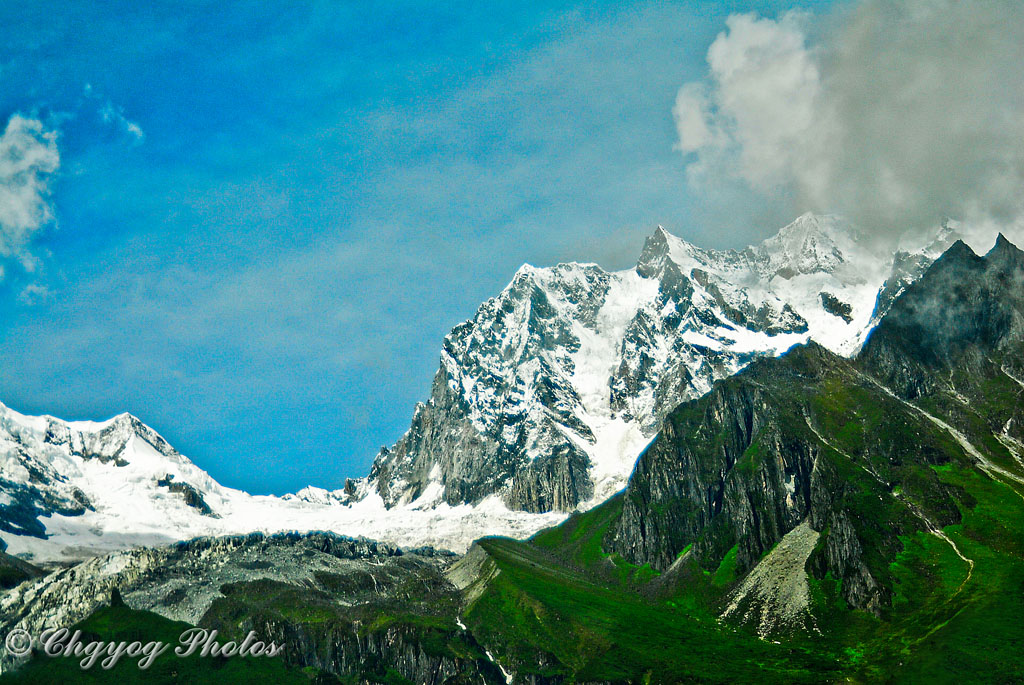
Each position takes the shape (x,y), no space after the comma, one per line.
(561,607)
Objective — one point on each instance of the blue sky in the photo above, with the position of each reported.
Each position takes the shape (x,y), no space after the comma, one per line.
(268,215)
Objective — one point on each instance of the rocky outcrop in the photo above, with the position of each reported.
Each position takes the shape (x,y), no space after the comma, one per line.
(192,497)
(708,472)
(833,305)
(557,481)
(842,556)
(966,314)
(181,581)
(191,581)
(14,571)
(441,439)
(419,655)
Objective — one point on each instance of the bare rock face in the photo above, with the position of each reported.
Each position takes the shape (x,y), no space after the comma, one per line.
(833,305)
(735,467)
(967,314)
(555,482)
(742,467)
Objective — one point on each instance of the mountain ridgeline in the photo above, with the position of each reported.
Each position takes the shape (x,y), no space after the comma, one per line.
(548,394)
(812,518)
(541,405)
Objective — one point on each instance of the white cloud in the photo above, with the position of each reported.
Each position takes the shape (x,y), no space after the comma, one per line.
(28,160)
(893,113)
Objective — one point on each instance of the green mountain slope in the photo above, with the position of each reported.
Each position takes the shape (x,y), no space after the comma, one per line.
(867,514)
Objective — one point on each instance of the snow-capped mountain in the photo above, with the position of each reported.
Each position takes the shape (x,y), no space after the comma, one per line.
(70,490)
(550,392)
(541,404)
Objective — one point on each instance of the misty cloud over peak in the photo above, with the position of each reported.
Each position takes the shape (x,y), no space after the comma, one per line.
(893,114)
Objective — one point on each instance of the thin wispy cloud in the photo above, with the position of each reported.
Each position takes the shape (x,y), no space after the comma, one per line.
(110,114)
(322,193)
(896,114)
(113,116)
(33,294)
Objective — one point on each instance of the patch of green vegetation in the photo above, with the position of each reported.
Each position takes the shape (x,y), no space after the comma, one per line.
(949,621)
(827,595)
(926,560)
(882,463)
(10,576)
(14,571)
(415,611)
(847,412)
(383,621)
(726,573)
(579,539)
(751,459)
(645,574)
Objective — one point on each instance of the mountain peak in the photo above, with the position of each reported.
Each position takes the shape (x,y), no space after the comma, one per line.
(811,243)
(957,257)
(959,250)
(658,239)
(1005,253)
(962,301)
(809,221)
(662,246)
(656,249)
(525,270)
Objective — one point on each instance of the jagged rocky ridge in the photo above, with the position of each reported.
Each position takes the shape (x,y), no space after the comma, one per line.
(32,486)
(541,405)
(845,447)
(548,394)
(72,490)
(796,498)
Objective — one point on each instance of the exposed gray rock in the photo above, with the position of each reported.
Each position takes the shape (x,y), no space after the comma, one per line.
(775,596)
(183,581)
